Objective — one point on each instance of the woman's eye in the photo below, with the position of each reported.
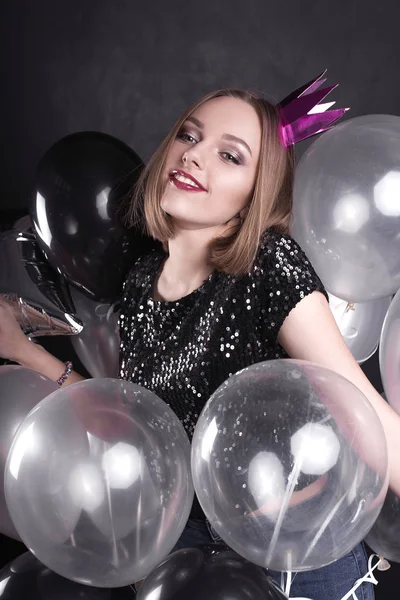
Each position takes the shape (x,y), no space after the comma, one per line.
(231,158)
(186,137)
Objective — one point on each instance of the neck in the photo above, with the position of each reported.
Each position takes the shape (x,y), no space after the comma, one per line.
(187,265)
(189,253)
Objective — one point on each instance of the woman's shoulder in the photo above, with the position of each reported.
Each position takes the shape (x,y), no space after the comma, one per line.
(142,269)
(283,261)
(282,276)
(273,239)
(280,250)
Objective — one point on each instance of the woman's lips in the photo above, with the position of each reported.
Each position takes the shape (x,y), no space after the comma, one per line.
(184,186)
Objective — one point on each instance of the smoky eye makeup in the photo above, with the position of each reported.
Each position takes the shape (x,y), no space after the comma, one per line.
(231,155)
(186,134)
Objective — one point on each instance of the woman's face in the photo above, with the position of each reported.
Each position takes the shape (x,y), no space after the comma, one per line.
(218,146)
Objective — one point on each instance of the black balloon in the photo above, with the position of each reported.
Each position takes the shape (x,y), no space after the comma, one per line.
(82,185)
(37,294)
(208,573)
(26,578)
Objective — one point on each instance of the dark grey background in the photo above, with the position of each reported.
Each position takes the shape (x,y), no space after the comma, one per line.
(130,68)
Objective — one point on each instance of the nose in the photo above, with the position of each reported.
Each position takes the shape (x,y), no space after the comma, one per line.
(193,157)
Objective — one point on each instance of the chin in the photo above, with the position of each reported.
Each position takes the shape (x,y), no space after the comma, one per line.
(183,211)
(177,208)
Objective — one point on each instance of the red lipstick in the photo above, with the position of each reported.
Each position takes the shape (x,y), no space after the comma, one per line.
(184,185)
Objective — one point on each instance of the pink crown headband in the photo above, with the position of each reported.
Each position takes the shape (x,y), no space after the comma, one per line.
(302,114)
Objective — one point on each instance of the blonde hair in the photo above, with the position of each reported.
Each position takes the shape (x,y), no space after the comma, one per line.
(270,205)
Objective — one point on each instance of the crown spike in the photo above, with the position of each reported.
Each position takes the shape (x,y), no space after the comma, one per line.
(313,87)
(321,107)
(302,114)
(301,106)
(308,87)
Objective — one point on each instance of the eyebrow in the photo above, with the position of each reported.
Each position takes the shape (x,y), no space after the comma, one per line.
(226,136)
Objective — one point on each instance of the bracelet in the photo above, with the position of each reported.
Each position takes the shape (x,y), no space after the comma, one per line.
(66,374)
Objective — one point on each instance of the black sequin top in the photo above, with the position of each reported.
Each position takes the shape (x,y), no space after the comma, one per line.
(185,349)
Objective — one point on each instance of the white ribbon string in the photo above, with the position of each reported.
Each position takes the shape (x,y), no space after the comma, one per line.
(286,587)
(369,577)
(288,583)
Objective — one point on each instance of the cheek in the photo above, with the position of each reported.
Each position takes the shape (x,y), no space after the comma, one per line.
(235,186)
(175,154)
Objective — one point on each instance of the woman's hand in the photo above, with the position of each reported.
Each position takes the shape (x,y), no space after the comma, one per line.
(14,344)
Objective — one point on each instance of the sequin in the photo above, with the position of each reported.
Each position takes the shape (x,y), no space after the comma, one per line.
(182,351)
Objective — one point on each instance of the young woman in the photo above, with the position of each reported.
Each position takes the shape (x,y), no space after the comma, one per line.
(231,288)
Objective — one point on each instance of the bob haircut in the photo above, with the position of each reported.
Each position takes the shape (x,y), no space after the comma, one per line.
(269,205)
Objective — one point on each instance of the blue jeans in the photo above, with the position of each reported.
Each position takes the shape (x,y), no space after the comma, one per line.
(327,583)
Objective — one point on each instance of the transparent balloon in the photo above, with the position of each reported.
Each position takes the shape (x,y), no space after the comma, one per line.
(389,353)
(384,537)
(289,463)
(346,212)
(360,324)
(98,483)
(20,390)
(97,346)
